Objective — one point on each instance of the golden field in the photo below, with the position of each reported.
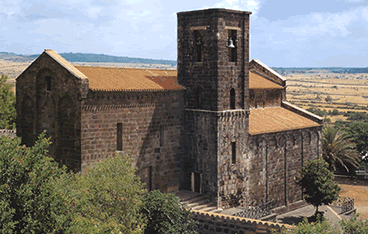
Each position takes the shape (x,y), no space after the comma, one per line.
(348,92)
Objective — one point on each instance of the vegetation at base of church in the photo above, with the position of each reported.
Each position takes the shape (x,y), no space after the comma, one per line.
(355,225)
(311,228)
(107,198)
(7,104)
(338,148)
(38,196)
(317,183)
(165,215)
(27,198)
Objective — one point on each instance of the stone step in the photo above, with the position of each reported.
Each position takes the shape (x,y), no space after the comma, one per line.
(196,199)
(209,209)
(201,207)
(198,202)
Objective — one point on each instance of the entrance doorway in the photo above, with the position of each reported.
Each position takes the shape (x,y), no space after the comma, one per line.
(196,182)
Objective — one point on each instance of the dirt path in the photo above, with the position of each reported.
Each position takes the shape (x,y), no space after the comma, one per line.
(357,189)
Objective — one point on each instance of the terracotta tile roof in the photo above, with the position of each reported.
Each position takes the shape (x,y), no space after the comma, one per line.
(275,119)
(258,82)
(130,79)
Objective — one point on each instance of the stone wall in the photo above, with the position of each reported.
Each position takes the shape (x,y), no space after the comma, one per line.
(209,81)
(274,161)
(260,98)
(232,129)
(210,223)
(151,133)
(48,99)
(262,71)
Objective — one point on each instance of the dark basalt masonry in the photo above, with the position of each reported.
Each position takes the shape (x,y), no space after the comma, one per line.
(196,139)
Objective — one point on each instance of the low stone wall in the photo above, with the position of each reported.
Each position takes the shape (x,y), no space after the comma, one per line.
(209,223)
(7,132)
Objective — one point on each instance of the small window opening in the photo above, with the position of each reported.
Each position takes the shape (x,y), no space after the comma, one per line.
(162,136)
(233,152)
(48,83)
(232,45)
(198,37)
(198,96)
(232,99)
(119,137)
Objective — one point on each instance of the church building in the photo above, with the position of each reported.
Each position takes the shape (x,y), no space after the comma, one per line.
(219,125)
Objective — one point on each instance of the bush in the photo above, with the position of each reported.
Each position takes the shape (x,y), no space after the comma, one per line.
(7,104)
(311,228)
(166,215)
(107,198)
(355,225)
(28,201)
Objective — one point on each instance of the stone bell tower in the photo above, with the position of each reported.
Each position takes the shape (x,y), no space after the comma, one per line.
(213,55)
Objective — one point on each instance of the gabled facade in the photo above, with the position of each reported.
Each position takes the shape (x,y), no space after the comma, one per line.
(219,125)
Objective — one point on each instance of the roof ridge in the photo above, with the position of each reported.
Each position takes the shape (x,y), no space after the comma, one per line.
(269,69)
(67,65)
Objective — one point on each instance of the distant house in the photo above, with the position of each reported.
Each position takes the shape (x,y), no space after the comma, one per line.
(219,125)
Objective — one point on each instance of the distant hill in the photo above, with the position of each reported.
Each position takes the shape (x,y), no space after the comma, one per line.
(83,57)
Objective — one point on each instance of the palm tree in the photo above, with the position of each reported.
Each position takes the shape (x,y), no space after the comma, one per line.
(338,148)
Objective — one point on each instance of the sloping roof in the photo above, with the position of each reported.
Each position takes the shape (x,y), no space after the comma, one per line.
(130,79)
(258,82)
(65,64)
(269,69)
(276,119)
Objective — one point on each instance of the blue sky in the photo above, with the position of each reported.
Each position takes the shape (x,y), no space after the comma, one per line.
(284,33)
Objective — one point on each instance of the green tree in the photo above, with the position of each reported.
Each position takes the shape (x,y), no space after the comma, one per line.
(311,228)
(28,204)
(7,104)
(317,183)
(338,148)
(107,198)
(359,133)
(166,215)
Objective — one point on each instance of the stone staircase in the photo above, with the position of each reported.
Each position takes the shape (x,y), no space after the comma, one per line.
(196,201)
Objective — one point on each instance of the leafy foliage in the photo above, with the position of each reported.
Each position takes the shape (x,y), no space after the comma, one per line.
(7,104)
(353,226)
(27,201)
(311,228)
(166,215)
(338,148)
(359,133)
(317,183)
(107,198)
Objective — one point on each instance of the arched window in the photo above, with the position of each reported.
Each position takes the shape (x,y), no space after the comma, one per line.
(232,99)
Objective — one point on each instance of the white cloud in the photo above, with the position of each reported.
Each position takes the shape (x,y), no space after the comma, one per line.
(246,5)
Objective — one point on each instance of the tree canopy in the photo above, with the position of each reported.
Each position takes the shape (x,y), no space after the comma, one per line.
(338,148)
(166,215)
(7,104)
(317,183)
(27,200)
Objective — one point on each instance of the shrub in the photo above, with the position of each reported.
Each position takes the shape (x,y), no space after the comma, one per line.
(28,202)
(166,215)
